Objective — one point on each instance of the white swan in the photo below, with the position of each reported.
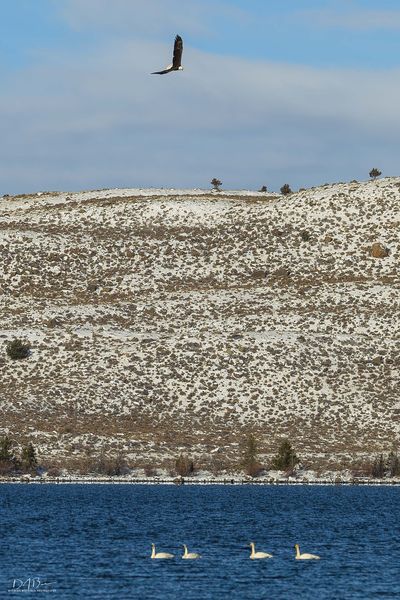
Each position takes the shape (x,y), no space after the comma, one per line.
(155,554)
(255,554)
(190,555)
(305,556)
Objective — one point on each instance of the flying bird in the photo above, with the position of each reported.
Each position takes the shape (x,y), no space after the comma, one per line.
(176,59)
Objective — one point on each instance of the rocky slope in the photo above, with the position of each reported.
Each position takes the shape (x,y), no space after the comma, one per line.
(167,321)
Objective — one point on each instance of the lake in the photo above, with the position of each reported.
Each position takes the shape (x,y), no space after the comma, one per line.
(94,541)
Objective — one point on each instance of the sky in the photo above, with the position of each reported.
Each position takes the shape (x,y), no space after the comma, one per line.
(303,92)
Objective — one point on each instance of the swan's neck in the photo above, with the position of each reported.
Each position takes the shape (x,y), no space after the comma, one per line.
(297,550)
(253,549)
(186,550)
(153,551)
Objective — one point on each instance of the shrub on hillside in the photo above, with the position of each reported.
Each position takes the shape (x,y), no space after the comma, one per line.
(18,349)
(393,464)
(263,189)
(386,465)
(6,452)
(53,471)
(216,183)
(254,469)
(285,458)
(285,189)
(217,465)
(110,466)
(378,467)
(6,467)
(28,458)
(184,466)
(374,173)
(360,468)
(150,471)
(249,456)
(53,322)
(7,458)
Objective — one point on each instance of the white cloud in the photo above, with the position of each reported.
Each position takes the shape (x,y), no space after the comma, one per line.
(102,120)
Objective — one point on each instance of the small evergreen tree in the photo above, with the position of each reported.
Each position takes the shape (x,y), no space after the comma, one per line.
(216,183)
(378,467)
(7,458)
(285,458)
(374,173)
(6,452)
(285,189)
(249,456)
(263,188)
(28,457)
(393,463)
(18,349)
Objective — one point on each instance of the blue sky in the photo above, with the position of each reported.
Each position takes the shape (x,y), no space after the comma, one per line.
(298,91)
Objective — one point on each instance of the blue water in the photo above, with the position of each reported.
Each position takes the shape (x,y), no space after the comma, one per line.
(93,541)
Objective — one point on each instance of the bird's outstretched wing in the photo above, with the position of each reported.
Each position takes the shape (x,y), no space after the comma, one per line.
(178,49)
(166,70)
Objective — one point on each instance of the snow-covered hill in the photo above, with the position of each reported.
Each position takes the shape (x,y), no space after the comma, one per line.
(167,321)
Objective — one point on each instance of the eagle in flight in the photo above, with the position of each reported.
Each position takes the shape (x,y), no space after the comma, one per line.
(176,59)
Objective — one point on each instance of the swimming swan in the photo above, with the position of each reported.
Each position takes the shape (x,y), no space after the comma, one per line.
(190,555)
(255,554)
(305,556)
(155,554)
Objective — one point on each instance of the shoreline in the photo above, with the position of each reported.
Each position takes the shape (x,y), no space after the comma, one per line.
(191,481)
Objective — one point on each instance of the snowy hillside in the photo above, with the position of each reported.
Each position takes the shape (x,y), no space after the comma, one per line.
(164,321)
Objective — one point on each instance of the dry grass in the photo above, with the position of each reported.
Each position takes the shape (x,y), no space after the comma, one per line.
(158,330)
